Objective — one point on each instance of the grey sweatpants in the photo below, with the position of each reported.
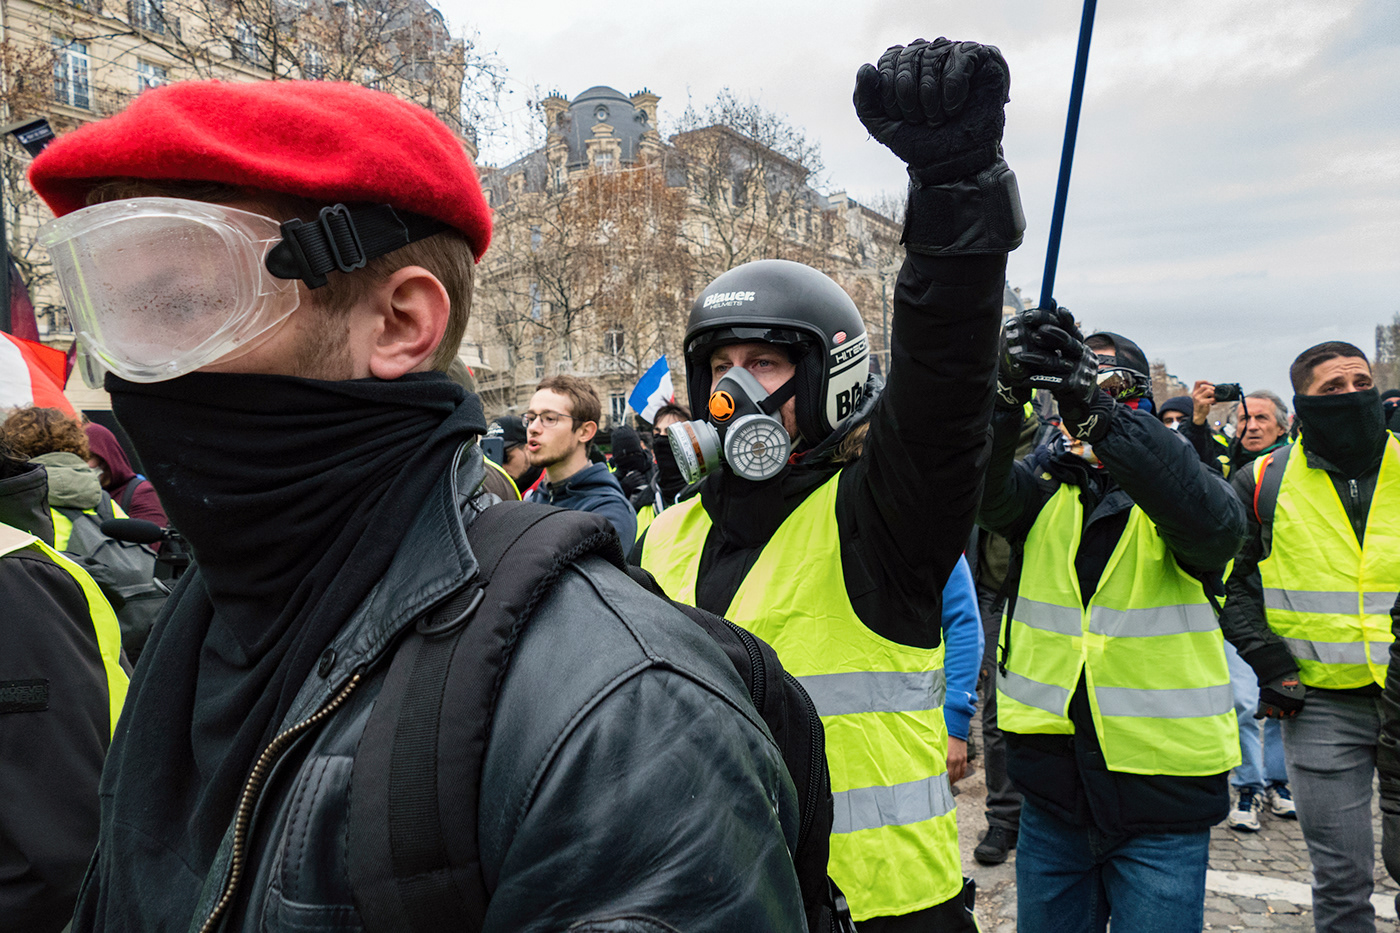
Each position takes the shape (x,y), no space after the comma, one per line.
(1331,752)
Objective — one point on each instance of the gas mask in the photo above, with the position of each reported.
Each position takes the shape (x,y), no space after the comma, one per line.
(745,431)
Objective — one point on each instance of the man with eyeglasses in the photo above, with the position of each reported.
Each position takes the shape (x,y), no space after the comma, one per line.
(559,427)
(1112,684)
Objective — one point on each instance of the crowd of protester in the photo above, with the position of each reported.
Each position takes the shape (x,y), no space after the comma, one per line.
(383,700)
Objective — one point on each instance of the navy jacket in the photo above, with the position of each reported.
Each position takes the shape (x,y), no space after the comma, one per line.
(593,489)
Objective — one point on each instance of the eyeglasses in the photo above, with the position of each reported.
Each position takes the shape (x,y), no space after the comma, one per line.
(548,418)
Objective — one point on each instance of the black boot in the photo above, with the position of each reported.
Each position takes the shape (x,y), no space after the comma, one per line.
(995,845)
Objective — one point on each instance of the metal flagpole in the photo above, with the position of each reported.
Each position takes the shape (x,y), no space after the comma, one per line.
(1076,98)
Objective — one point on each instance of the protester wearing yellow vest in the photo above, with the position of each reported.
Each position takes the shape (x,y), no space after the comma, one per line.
(1314,586)
(839,558)
(62,685)
(1112,685)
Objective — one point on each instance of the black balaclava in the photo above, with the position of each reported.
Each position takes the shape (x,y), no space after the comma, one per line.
(1347,430)
(294,495)
(669,478)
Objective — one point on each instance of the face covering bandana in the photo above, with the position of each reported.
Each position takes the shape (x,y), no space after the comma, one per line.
(1346,430)
(668,472)
(295,495)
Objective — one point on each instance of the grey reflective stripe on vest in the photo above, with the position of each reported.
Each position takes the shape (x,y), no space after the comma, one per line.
(1338,652)
(1160,620)
(1062,620)
(875,691)
(1048,697)
(1319,602)
(899,805)
(1377,603)
(1186,703)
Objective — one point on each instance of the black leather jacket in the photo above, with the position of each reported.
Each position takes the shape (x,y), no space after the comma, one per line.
(628,785)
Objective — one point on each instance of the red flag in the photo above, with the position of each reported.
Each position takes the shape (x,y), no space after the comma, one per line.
(32,374)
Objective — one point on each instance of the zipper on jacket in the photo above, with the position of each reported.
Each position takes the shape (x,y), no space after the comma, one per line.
(760,670)
(816,762)
(248,799)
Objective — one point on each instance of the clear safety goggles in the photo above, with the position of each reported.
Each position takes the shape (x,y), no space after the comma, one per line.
(158,287)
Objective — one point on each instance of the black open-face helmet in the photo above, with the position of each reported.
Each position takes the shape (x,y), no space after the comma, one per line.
(798,308)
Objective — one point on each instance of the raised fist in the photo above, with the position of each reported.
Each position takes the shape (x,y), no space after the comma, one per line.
(937,105)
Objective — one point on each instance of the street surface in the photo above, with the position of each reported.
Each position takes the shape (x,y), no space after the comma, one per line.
(1257,881)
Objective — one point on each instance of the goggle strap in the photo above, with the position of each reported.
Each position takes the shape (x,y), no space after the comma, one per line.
(345,239)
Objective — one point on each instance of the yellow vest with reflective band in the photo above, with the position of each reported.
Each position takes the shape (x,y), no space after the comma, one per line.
(894,843)
(645,516)
(104,620)
(1325,595)
(1148,646)
(63,525)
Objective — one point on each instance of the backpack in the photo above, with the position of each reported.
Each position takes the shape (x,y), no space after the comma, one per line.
(408,874)
(124,570)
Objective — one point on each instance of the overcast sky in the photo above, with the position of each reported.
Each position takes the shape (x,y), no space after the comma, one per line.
(1236,189)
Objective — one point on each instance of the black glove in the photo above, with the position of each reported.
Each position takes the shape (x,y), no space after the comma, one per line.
(1281,698)
(939,107)
(1041,348)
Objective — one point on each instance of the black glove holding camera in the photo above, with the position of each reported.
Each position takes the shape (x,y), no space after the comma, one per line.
(939,106)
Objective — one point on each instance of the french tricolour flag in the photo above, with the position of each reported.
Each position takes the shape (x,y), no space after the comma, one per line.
(31,374)
(652,390)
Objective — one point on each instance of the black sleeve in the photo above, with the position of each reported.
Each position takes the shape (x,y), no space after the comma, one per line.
(1243,620)
(663,803)
(1388,743)
(54,733)
(906,507)
(1205,445)
(1192,506)
(1011,499)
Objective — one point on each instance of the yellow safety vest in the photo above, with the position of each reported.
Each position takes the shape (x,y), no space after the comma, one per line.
(1148,646)
(104,620)
(1325,595)
(645,516)
(894,843)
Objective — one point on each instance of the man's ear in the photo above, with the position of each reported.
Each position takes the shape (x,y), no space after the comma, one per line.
(585,433)
(404,322)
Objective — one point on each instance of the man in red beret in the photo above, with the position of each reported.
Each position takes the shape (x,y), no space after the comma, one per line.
(275,276)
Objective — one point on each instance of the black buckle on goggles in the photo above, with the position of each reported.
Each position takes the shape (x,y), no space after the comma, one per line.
(344,239)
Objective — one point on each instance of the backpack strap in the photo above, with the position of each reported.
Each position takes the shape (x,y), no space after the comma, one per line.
(418,766)
(130,491)
(1268,479)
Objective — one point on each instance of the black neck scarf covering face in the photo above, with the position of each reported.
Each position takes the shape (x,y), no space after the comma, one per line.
(1346,430)
(295,495)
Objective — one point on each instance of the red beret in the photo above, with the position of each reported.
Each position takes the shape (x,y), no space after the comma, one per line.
(321,140)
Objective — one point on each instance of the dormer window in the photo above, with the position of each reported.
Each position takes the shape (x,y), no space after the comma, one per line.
(601,113)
